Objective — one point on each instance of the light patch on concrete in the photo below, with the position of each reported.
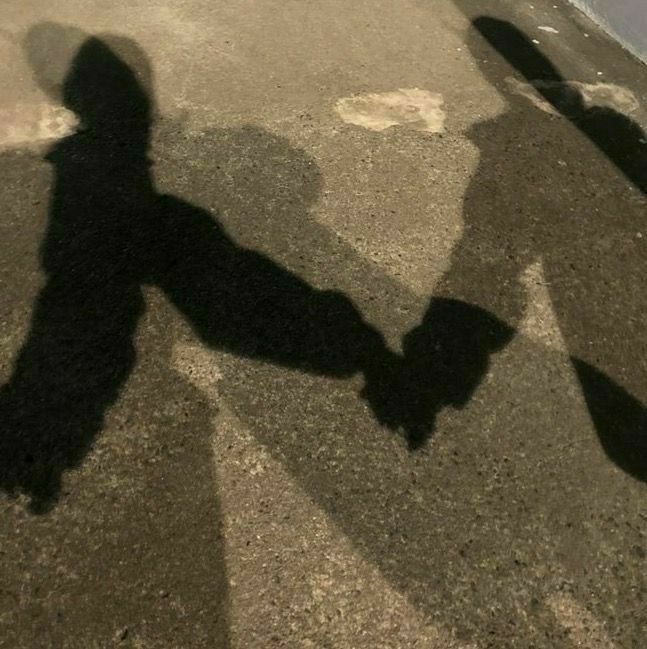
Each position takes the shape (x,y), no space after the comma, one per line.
(539,322)
(608,95)
(411,107)
(548,28)
(27,124)
(585,631)
(199,366)
(574,96)
(295,578)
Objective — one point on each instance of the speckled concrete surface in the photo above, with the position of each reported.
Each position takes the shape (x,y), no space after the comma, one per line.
(240,479)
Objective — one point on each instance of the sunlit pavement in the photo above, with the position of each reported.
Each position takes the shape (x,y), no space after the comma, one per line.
(358,360)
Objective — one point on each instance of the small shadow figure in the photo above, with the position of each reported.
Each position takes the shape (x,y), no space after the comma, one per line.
(110,233)
(542,193)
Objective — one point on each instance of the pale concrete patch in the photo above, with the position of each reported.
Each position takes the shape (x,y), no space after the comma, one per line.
(585,631)
(574,96)
(28,124)
(608,95)
(411,107)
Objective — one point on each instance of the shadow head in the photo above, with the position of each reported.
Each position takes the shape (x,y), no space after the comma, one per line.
(105,80)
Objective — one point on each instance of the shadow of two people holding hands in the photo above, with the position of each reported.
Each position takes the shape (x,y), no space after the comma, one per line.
(111,233)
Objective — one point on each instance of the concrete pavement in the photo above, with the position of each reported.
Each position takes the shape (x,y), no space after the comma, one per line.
(324,328)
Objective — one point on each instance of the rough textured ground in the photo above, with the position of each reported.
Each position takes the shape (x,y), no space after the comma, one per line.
(206,442)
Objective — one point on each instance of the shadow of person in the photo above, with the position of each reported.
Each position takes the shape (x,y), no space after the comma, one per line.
(110,233)
(444,359)
(544,194)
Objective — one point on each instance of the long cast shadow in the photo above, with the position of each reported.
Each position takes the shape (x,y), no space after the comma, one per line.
(179,247)
(542,193)
(110,233)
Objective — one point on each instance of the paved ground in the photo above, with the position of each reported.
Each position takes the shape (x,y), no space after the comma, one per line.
(325,327)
